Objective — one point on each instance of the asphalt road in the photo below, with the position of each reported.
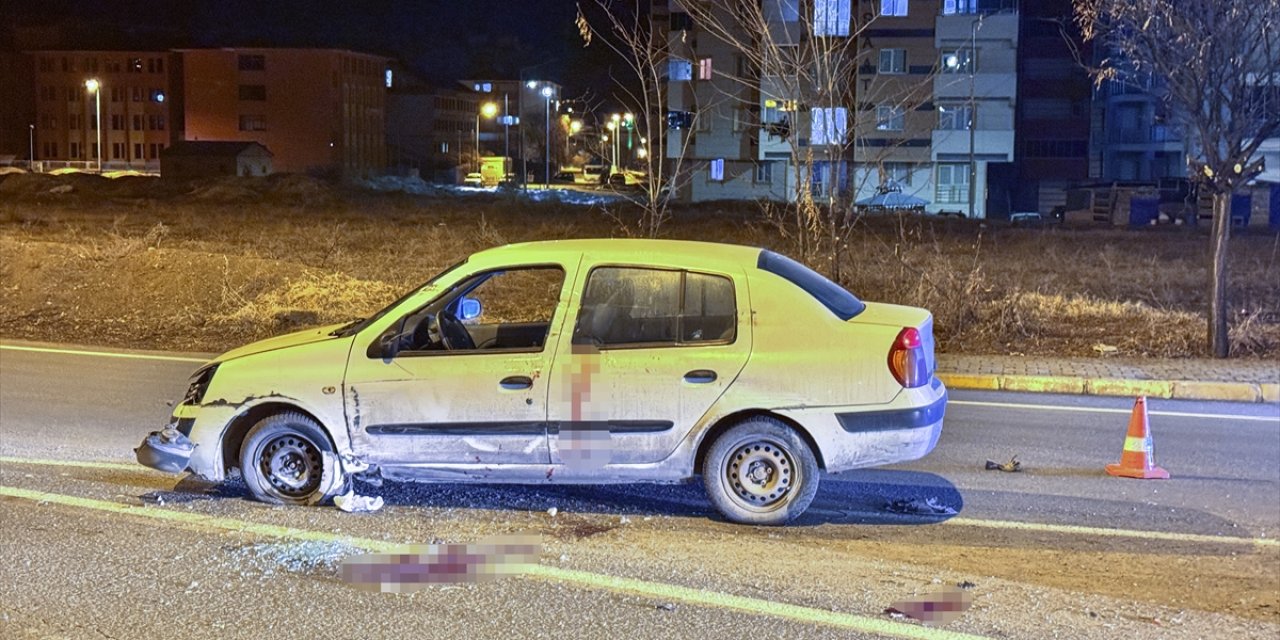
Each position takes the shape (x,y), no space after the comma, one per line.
(115,550)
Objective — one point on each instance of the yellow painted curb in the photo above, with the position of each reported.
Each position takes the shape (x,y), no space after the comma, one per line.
(1230,391)
(1129,388)
(970,381)
(1043,384)
(1270,392)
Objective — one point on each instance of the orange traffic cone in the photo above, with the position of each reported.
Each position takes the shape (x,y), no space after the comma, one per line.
(1137,460)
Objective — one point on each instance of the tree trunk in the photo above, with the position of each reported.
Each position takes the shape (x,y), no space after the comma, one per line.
(1219,343)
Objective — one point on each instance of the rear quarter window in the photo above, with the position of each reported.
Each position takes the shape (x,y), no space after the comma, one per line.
(834,297)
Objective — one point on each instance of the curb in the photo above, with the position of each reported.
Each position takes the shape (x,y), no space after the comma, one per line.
(1175,389)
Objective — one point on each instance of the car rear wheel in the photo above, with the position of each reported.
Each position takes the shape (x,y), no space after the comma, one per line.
(287,459)
(760,472)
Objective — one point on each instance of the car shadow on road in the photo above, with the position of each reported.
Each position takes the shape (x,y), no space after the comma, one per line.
(889,497)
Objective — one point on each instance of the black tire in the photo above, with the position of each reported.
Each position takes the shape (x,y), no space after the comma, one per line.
(286,459)
(760,472)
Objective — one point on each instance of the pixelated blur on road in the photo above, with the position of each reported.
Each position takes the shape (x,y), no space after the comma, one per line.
(93,545)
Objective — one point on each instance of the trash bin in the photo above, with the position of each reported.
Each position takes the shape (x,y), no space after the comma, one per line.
(1241,204)
(1143,210)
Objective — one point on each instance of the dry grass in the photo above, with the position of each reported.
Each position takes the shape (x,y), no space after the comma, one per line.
(187,273)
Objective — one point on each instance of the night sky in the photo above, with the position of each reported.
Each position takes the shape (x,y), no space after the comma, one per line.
(440,40)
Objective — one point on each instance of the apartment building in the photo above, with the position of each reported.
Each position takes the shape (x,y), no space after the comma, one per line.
(129,90)
(429,128)
(927,104)
(525,111)
(316,110)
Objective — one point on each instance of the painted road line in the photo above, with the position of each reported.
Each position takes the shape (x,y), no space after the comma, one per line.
(104,354)
(87,464)
(670,592)
(1138,534)
(1171,414)
(1168,536)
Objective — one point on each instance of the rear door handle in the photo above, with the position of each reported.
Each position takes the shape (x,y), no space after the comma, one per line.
(700,376)
(516,382)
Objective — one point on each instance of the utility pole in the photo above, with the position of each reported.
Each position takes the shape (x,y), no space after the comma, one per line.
(973,112)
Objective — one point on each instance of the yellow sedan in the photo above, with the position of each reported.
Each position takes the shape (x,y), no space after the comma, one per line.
(578,361)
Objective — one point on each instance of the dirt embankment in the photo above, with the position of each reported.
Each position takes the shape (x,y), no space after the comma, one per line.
(209,266)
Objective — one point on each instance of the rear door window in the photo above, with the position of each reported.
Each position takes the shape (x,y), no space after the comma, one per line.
(629,306)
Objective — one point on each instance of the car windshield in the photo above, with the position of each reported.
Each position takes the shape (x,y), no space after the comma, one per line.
(832,296)
(359,325)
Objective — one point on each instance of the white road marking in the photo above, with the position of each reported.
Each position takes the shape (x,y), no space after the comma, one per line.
(104,354)
(1052,407)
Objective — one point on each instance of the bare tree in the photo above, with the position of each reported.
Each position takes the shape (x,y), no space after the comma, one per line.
(1216,64)
(802,64)
(644,50)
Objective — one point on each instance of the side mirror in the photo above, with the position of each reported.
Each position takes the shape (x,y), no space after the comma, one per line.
(386,347)
(470,309)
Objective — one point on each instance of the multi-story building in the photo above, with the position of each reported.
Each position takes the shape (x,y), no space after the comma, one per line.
(317,110)
(429,128)
(130,91)
(527,110)
(1053,116)
(926,105)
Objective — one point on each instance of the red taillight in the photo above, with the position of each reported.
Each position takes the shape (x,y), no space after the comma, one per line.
(907,359)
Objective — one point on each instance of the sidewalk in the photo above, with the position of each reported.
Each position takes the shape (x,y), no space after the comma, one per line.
(1186,379)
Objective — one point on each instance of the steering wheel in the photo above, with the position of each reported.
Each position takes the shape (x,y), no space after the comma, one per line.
(452,333)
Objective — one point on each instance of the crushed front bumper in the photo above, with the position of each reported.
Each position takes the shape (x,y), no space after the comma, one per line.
(167,450)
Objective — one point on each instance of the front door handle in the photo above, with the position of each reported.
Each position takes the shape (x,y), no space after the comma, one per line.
(700,376)
(514,383)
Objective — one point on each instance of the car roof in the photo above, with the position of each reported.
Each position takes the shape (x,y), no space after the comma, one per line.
(687,251)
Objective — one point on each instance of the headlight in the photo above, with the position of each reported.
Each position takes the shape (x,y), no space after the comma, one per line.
(199,384)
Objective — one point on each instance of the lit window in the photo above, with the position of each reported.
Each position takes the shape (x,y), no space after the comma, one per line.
(893,7)
(829,125)
(388,78)
(679,69)
(486,87)
(954,7)
(893,61)
(831,17)
(959,61)
(704,69)
(890,118)
(717,169)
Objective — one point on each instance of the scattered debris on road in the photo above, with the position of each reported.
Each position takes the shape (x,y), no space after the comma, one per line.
(666,606)
(916,506)
(1012,466)
(418,567)
(965,584)
(352,503)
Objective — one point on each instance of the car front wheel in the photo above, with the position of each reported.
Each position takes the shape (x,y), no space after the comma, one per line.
(287,459)
(760,472)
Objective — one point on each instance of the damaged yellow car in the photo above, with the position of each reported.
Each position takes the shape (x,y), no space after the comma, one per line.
(578,361)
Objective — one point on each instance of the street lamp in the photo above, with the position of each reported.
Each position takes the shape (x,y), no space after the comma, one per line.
(953,61)
(547,92)
(94,86)
(487,110)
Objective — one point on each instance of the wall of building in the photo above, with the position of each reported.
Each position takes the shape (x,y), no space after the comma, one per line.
(316,110)
(135,107)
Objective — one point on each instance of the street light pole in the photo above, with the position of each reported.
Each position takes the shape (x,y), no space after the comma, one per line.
(93,85)
(973,113)
(31,144)
(547,92)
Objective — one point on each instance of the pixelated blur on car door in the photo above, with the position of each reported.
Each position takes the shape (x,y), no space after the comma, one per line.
(652,350)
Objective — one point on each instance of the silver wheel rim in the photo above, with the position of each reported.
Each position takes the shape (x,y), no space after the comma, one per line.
(291,465)
(761,475)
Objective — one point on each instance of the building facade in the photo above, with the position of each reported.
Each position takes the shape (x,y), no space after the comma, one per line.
(926,102)
(17,109)
(129,91)
(319,111)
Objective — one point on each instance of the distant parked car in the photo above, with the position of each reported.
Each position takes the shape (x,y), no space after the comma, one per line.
(473,179)
(579,361)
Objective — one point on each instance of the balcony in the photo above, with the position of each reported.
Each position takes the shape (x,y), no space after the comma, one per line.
(955,29)
(955,86)
(987,143)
